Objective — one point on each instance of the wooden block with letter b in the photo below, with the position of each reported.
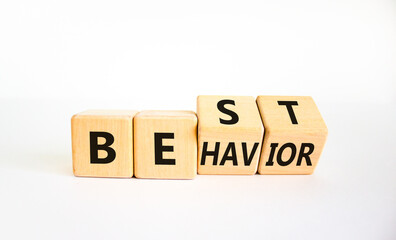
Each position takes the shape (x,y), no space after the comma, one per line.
(295,135)
(230,134)
(102,143)
(165,144)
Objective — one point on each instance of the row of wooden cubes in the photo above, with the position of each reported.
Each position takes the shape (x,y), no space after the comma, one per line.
(228,135)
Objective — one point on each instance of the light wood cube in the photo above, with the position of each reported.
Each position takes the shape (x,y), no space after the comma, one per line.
(295,135)
(165,144)
(102,143)
(230,135)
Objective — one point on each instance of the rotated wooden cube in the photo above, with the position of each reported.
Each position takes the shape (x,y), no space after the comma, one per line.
(230,135)
(102,143)
(295,135)
(165,144)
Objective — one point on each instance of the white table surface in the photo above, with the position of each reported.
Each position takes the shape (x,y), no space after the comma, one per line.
(351,195)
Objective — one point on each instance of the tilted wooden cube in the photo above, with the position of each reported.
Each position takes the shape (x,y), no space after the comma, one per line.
(230,135)
(102,143)
(295,135)
(165,144)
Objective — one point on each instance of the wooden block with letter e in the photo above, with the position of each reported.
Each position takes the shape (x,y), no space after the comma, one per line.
(165,144)
(230,134)
(295,135)
(102,143)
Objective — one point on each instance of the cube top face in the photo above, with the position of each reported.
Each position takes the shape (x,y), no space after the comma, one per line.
(295,135)
(165,144)
(102,143)
(230,135)
(214,114)
(158,114)
(286,114)
(106,114)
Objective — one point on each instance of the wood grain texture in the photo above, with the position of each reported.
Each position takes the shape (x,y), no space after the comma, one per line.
(183,126)
(116,122)
(298,137)
(246,133)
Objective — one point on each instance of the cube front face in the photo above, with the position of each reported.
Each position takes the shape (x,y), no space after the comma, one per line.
(295,135)
(102,143)
(230,135)
(165,144)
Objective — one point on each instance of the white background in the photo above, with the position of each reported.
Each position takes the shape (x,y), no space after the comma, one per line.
(58,58)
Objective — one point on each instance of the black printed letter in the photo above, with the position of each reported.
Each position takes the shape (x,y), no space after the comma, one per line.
(293,154)
(233,157)
(234,117)
(270,161)
(302,155)
(159,148)
(249,159)
(289,107)
(94,147)
(214,153)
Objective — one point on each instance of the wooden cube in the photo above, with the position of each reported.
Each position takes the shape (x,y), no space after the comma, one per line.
(295,135)
(230,135)
(165,144)
(102,143)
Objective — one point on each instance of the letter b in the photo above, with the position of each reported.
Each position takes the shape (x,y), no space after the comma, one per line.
(95,147)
